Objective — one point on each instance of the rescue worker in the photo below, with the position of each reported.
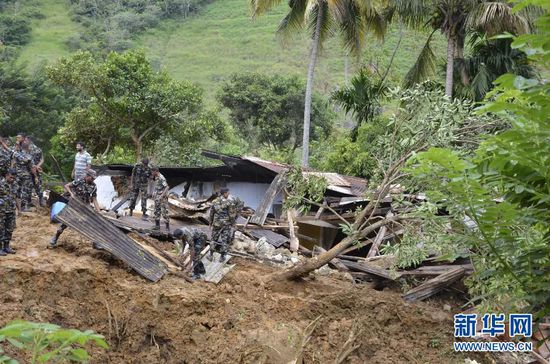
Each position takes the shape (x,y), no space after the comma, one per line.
(85,190)
(8,191)
(196,240)
(38,160)
(139,183)
(5,157)
(160,197)
(222,220)
(23,163)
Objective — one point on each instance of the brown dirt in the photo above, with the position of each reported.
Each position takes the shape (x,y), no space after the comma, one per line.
(241,320)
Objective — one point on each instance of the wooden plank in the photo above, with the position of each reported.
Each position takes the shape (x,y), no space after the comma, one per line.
(432,286)
(294,242)
(80,217)
(436,269)
(274,188)
(372,269)
(373,251)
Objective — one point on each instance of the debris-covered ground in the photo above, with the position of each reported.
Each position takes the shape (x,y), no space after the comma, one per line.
(241,320)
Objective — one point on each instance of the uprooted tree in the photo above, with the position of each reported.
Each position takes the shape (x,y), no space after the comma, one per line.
(407,132)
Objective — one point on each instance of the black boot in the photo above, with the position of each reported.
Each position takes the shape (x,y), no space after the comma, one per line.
(7,248)
(131,212)
(3,253)
(157,225)
(210,256)
(53,242)
(144,215)
(222,257)
(168,226)
(41,201)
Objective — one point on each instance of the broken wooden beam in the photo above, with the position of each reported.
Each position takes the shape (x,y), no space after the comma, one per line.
(435,270)
(336,263)
(432,286)
(372,269)
(265,205)
(373,251)
(80,217)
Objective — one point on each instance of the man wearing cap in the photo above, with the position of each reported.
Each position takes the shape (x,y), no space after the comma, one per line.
(160,197)
(84,189)
(196,240)
(8,190)
(139,183)
(38,160)
(23,163)
(222,221)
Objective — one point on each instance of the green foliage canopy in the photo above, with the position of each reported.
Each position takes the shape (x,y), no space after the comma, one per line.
(269,109)
(127,103)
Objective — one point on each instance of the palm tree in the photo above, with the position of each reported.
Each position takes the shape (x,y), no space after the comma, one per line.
(487,60)
(352,18)
(456,19)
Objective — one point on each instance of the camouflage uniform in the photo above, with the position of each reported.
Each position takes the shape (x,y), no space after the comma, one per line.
(197,241)
(24,164)
(5,160)
(161,202)
(36,153)
(8,193)
(85,192)
(222,219)
(140,183)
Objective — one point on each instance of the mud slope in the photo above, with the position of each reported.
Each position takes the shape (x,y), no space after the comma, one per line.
(239,321)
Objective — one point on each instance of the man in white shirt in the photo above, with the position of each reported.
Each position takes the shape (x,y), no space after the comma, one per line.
(82,162)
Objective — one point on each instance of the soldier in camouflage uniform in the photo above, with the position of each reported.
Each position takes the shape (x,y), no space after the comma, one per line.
(161,199)
(38,160)
(26,170)
(140,184)
(222,218)
(8,190)
(197,241)
(84,189)
(5,157)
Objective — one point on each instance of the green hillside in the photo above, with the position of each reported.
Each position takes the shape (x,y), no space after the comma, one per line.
(223,39)
(48,34)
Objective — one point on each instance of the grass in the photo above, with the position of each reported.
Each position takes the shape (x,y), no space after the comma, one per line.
(48,34)
(223,39)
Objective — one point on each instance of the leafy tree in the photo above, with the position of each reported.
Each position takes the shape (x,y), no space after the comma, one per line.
(351,18)
(502,192)
(424,118)
(268,109)
(455,19)
(127,103)
(31,104)
(488,59)
(48,343)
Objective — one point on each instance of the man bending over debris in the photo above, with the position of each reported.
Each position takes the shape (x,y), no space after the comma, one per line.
(221,220)
(161,199)
(139,183)
(84,189)
(197,241)
(8,192)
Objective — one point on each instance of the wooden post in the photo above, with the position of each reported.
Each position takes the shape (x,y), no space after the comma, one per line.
(294,242)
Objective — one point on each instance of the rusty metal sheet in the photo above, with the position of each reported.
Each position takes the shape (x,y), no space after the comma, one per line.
(97,228)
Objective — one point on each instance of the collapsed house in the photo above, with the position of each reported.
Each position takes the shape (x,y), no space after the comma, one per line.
(263,225)
(252,180)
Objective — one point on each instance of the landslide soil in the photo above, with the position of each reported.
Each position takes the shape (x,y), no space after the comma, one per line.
(241,320)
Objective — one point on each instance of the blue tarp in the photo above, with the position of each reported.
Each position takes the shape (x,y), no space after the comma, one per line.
(56,209)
